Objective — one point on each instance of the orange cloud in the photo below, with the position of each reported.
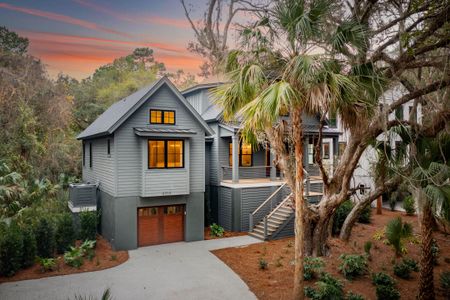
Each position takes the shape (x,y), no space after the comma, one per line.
(64,54)
(62,18)
(36,36)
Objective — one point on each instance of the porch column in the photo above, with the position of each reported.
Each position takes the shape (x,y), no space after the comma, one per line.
(235,158)
(273,170)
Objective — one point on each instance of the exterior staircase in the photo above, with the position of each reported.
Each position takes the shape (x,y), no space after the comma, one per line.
(272,218)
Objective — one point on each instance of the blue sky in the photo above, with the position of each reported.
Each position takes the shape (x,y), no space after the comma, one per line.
(77,36)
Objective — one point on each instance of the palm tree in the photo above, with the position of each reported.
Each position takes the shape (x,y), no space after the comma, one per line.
(431,189)
(275,75)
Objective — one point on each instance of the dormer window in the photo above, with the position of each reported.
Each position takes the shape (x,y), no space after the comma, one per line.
(162,116)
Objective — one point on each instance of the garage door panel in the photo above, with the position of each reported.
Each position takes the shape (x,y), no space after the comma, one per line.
(173,228)
(148,231)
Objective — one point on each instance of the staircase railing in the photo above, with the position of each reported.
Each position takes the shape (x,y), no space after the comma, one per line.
(266,218)
(268,203)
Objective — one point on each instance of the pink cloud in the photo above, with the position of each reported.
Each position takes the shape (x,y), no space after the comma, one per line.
(62,18)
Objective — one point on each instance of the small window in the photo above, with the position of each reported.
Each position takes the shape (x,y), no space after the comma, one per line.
(165,154)
(84,153)
(399,112)
(169,117)
(162,117)
(332,120)
(109,147)
(90,155)
(326,150)
(155,116)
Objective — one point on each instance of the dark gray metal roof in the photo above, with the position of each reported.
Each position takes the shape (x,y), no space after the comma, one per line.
(201,86)
(212,113)
(117,113)
(145,131)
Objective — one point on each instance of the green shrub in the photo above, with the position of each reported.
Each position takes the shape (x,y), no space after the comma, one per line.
(87,249)
(365,215)
(312,267)
(11,246)
(45,238)
(382,279)
(262,263)
(402,270)
(409,205)
(29,247)
(339,216)
(385,287)
(396,232)
(47,264)
(88,225)
(327,288)
(412,264)
(74,257)
(65,233)
(445,283)
(352,265)
(216,230)
(351,296)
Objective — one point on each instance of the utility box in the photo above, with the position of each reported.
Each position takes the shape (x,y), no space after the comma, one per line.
(83,197)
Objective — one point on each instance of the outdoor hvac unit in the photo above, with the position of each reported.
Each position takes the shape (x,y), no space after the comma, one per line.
(83,196)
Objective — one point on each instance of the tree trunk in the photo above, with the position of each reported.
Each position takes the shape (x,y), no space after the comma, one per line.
(299,204)
(350,220)
(426,283)
(352,217)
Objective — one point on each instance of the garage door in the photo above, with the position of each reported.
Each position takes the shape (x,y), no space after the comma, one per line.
(162,224)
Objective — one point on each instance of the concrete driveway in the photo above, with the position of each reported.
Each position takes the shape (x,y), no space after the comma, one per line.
(172,271)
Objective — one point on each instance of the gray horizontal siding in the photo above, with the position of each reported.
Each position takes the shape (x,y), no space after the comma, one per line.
(102,170)
(225,208)
(251,199)
(131,155)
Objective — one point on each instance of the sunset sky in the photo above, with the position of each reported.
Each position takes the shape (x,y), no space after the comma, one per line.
(77,36)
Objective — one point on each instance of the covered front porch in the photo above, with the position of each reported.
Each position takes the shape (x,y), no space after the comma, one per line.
(242,164)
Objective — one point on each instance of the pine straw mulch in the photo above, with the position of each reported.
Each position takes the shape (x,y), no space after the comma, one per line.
(104,258)
(277,281)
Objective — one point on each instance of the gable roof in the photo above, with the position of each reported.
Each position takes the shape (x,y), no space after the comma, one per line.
(120,111)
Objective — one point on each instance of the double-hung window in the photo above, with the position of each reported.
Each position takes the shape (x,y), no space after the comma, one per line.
(158,116)
(245,153)
(165,154)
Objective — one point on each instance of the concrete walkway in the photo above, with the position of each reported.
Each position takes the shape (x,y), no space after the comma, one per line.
(172,271)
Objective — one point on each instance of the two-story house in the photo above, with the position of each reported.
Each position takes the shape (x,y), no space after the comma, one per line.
(147,152)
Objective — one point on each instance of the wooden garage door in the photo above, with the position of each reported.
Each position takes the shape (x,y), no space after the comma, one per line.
(163,224)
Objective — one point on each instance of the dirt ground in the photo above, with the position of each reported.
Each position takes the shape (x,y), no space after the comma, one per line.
(226,234)
(276,282)
(104,258)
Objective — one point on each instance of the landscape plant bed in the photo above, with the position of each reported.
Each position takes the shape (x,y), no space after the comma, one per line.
(104,258)
(276,282)
(226,234)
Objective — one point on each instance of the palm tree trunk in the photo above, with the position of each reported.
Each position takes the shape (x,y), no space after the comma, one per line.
(297,132)
(426,284)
